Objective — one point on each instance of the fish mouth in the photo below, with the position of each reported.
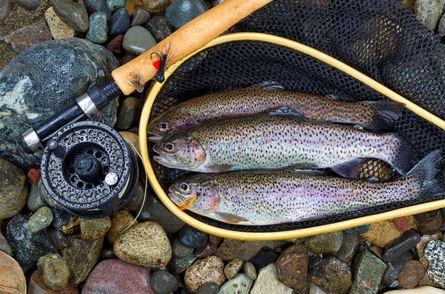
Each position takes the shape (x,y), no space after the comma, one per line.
(176,197)
(155,138)
(164,158)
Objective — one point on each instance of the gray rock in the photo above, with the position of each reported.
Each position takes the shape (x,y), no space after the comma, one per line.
(267,282)
(5,8)
(180,264)
(208,288)
(159,27)
(391,277)
(140,17)
(13,189)
(35,199)
(440,28)
(163,282)
(325,243)
(137,40)
(435,255)
(250,270)
(98,28)
(40,220)
(129,113)
(180,12)
(61,218)
(192,238)
(348,248)
(58,239)
(429,12)
(27,246)
(4,245)
(41,81)
(115,4)
(180,250)
(398,247)
(55,271)
(29,4)
(120,22)
(240,284)
(93,6)
(72,13)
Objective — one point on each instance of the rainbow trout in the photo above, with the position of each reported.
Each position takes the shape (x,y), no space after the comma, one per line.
(375,116)
(273,197)
(274,142)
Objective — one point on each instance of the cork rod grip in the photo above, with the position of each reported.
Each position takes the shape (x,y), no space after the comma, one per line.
(187,39)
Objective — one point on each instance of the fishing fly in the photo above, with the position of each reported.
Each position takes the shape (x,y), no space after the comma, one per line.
(161,62)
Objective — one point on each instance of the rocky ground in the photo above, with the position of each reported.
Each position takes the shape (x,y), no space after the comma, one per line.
(46,250)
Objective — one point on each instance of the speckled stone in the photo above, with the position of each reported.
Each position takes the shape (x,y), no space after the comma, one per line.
(40,219)
(5,8)
(12,279)
(180,12)
(292,267)
(232,268)
(178,265)
(429,12)
(325,243)
(332,275)
(72,13)
(119,221)
(240,284)
(27,36)
(160,27)
(37,286)
(98,27)
(55,271)
(119,23)
(250,270)
(267,282)
(93,229)
(368,272)
(163,282)
(58,29)
(93,6)
(13,190)
(381,233)
(140,17)
(155,6)
(210,269)
(29,4)
(35,199)
(144,244)
(435,255)
(137,40)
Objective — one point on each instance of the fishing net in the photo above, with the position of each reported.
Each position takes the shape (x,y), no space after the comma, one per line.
(380,38)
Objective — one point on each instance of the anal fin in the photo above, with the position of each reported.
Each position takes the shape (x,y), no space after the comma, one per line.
(229,218)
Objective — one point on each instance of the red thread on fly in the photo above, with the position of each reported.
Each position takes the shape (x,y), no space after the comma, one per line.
(160,63)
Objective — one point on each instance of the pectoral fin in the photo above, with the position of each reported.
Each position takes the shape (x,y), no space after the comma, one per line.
(229,218)
(218,168)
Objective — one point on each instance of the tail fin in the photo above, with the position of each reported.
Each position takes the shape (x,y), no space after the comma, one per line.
(427,172)
(386,113)
(406,158)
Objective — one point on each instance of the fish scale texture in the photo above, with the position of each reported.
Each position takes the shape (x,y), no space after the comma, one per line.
(380,38)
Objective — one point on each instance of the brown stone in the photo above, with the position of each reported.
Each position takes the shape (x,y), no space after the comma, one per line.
(119,222)
(12,279)
(211,247)
(244,250)
(292,267)
(59,29)
(115,45)
(412,273)
(132,5)
(232,268)
(93,229)
(429,222)
(155,6)
(207,270)
(381,233)
(132,139)
(37,286)
(27,36)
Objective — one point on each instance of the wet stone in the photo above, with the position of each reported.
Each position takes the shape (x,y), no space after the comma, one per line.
(160,27)
(98,28)
(61,218)
(429,12)
(58,239)
(119,23)
(72,13)
(398,247)
(93,6)
(13,189)
(115,4)
(140,17)
(325,243)
(333,276)
(137,40)
(411,274)
(429,222)
(368,272)
(4,245)
(28,4)
(12,279)
(264,257)
(40,219)
(93,229)
(435,255)
(267,282)
(180,250)
(192,238)
(391,276)
(180,264)
(5,8)
(240,284)
(129,112)
(210,269)
(35,199)
(155,6)
(119,222)
(27,36)
(37,286)
(163,282)
(292,267)
(232,268)
(107,253)
(244,250)
(348,248)
(180,12)
(250,270)
(208,288)
(55,271)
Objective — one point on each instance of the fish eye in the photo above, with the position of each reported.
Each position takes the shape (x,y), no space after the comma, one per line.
(184,187)
(163,126)
(169,147)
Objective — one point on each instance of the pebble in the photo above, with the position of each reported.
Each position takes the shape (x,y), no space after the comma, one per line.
(348,248)
(391,276)
(180,12)
(35,199)
(144,244)
(332,275)
(12,279)
(13,189)
(244,250)
(5,8)
(429,222)
(29,4)
(27,36)
(429,12)
(325,243)
(113,276)
(119,222)
(411,274)
(129,111)
(210,249)
(81,256)
(292,267)
(98,27)
(368,273)
(232,268)
(115,4)
(37,286)
(210,269)
(115,45)
(381,233)
(140,17)
(267,282)
(398,247)
(72,13)
(58,29)
(419,290)
(240,284)
(40,219)
(93,229)
(264,257)
(163,282)
(119,23)
(133,140)
(26,246)
(178,265)
(93,6)
(404,223)
(435,255)
(180,250)
(137,40)
(409,4)
(155,6)
(208,288)
(58,239)
(160,27)
(55,271)
(250,270)
(4,245)
(192,238)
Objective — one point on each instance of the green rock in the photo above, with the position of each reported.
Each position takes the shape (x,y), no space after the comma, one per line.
(368,272)
(180,250)
(93,229)
(35,198)
(325,243)
(137,40)
(72,13)
(98,28)
(140,17)
(55,271)
(41,219)
(240,284)
(180,12)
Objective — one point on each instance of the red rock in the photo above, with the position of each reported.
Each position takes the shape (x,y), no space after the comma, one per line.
(12,279)
(27,36)
(115,45)
(37,286)
(411,274)
(292,267)
(401,223)
(210,248)
(113,276)
(34,175)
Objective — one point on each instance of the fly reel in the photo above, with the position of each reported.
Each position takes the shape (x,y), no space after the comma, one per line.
(88,169)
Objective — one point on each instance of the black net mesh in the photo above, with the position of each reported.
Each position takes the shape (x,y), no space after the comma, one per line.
(377,37)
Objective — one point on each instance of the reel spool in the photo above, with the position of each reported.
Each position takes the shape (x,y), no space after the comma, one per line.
(89,170)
